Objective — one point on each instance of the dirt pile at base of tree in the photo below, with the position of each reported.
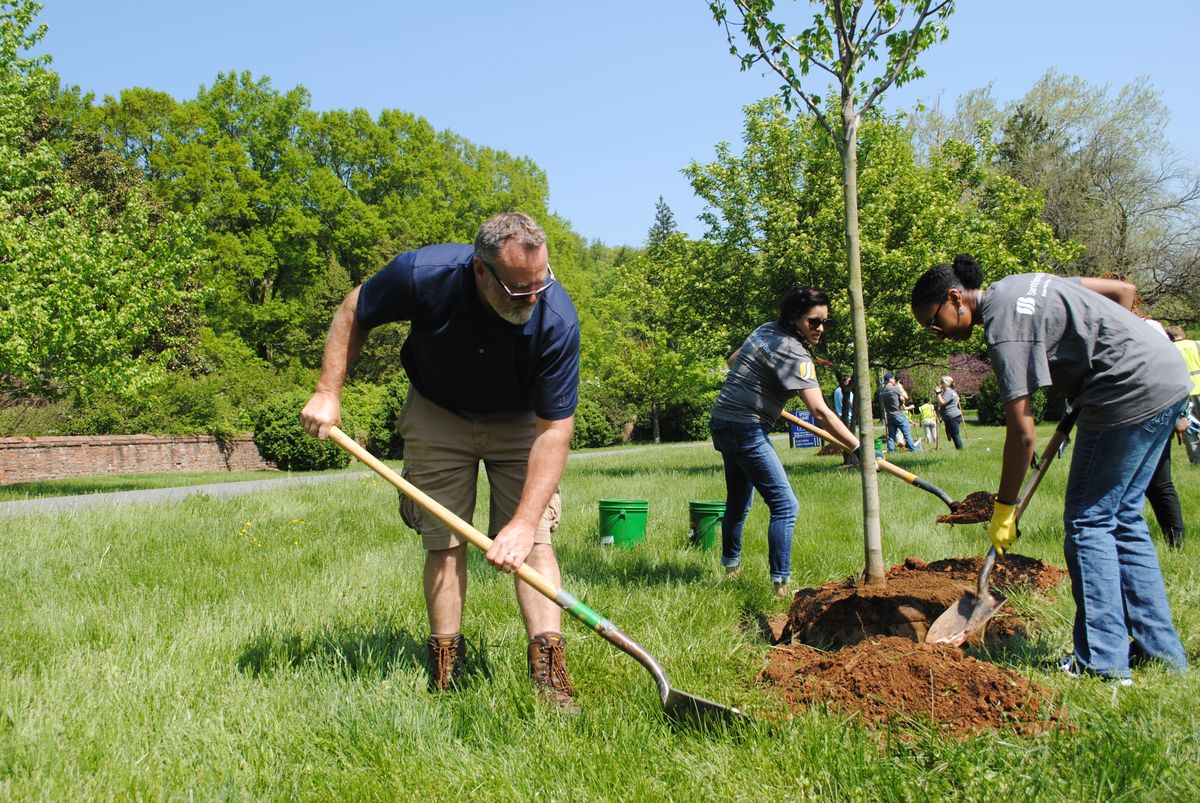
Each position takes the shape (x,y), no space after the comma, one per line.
(859,649)
(893,681)
(829,450)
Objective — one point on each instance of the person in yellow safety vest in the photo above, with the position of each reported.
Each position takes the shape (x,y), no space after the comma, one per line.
(1188,428)
(929,421)
(1190,350)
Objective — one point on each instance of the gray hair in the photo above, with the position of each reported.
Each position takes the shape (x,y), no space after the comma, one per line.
(504,227)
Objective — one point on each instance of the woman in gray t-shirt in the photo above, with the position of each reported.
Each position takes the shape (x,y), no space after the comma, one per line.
(947,399)
(772,365)
(1128,385)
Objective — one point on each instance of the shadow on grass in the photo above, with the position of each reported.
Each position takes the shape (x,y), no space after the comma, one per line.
(581,565)
(641,471)
(351,652)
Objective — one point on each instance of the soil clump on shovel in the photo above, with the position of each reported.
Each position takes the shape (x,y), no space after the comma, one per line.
(859,649)
(977,507)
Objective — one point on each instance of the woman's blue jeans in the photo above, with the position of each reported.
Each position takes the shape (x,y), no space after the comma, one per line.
(751,462)
(1121,607)
(952,425)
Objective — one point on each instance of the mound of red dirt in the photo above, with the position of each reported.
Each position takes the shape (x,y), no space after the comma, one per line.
(829,450)
(878,666)
(890,680)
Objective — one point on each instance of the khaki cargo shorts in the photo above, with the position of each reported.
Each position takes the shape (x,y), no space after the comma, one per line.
(442,452)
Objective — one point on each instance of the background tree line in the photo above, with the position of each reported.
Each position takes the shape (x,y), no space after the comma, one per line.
(170,265)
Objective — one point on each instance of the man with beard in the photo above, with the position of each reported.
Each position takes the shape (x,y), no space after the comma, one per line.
(492,356)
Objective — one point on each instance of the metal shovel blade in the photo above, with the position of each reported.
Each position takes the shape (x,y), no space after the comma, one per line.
(696,711)
(971,612)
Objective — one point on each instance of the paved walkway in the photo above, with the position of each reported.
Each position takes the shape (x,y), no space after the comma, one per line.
(50,504)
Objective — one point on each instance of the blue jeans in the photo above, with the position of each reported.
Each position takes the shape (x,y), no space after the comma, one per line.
(899,421)
(1121,605)
(751,462)
(952,425)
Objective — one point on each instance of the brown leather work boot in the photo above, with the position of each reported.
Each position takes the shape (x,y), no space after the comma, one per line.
(548,671)
(447,661)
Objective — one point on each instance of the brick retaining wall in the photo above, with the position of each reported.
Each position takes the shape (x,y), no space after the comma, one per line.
(29,459)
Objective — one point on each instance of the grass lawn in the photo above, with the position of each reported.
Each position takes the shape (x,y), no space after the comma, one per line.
(270,646)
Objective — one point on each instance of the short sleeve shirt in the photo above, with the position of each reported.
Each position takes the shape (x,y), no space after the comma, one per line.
(950,409)
(459,353)
(890,398)
(1043,330)
(770,367)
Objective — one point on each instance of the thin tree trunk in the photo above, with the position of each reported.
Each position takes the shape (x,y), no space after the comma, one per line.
(655,432)
(872,538)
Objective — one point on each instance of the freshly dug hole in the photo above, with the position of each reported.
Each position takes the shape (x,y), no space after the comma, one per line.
(877,666)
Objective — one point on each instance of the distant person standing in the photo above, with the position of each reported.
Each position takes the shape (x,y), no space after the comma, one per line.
(929,421)
(892,398)
(947,399)
(1190,350)
(843,400)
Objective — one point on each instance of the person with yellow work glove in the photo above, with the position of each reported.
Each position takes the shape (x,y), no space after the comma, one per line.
(1003,527)
(1129,384)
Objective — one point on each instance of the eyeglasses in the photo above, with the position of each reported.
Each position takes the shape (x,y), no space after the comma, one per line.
(819,323)
(520,293)
(931,325)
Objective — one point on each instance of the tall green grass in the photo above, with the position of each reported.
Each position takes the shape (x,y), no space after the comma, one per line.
(270,646)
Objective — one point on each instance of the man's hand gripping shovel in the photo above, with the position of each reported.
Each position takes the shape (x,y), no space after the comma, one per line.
(679,705)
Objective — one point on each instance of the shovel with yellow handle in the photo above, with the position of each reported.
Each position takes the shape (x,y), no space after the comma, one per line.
(676,704)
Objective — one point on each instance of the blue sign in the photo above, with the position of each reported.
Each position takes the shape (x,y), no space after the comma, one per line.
(801,438)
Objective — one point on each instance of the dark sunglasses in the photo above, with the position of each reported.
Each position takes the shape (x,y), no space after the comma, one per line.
(931,325)
(819,323)
(520,293)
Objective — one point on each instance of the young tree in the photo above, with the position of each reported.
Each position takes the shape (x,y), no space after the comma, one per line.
(844,41)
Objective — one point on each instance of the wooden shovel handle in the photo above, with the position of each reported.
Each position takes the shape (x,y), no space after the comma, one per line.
(527,573)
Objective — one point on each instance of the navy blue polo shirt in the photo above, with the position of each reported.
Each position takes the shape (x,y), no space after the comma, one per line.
(459,353)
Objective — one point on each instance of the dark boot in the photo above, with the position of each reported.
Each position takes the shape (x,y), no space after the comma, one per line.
(447,661)
(548,671)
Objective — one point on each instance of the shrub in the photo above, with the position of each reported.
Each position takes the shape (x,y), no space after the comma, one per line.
(991,406)
(594,427)
(685,419)
(280,438)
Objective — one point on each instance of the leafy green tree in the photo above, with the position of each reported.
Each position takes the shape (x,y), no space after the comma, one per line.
(96,286)
(650,358)
(842,43)
(1111,180)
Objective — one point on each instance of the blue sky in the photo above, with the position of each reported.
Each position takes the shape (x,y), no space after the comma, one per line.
(612,99)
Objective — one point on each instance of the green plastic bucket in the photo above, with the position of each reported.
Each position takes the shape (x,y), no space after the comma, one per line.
(623,521)
(879,444)
(706,523)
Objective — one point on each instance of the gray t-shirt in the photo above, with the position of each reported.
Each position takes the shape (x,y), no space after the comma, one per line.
(1046,330)
(890,396)
(770,367)
(950,409)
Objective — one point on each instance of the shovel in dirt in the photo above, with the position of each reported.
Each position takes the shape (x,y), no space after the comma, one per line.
(884,465)
(683,707)
(973,610)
